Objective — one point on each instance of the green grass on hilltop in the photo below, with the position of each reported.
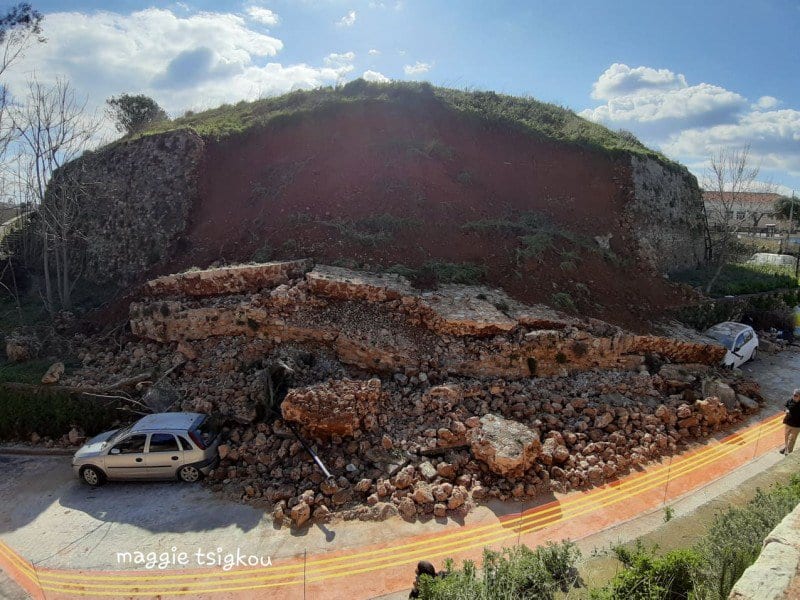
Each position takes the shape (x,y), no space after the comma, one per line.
(548,121)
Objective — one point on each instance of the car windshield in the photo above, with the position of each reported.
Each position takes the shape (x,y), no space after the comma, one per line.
(118,435)
(726,339)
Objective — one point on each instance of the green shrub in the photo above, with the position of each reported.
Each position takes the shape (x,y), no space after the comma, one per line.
(739,279)
(516,573)
(736,537)
(445,272)
(403,270)
(646,576)
(464,178)
(25,372)
(563,301)
(263,254)
(52,414)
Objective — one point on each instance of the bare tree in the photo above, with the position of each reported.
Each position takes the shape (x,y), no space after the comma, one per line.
(54,129)
(20,27)
(729,177)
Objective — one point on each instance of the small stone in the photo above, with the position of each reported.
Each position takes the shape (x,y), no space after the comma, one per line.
(386,442)
(75,436)
(364,485)
(223,450)
(300,513)
(407,509)
(446,470)
(427,470)
(439,510)
(422,495)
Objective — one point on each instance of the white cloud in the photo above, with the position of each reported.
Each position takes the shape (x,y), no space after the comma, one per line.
(347,20)
(373,52)
(192,62)
(692,122)
(375,76)
(263,15)
(658,102)
(419,68)
(766,103)
(621,80)
(338,60)
(774,137)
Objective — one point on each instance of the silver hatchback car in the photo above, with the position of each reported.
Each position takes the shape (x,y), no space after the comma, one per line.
(158,446)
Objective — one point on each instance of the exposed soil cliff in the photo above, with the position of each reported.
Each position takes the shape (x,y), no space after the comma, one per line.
(437,194)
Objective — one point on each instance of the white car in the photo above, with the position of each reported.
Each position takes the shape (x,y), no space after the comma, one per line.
(739,339)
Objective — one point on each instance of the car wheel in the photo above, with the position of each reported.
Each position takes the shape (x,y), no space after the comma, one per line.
(189,474)
(754,354)
(92,476)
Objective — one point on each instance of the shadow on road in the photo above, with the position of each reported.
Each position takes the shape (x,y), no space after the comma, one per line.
(36,485)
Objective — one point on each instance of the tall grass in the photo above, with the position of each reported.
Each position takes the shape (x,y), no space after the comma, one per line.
(540,119)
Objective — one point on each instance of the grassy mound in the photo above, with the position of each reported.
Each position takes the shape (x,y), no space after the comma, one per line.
(544,120)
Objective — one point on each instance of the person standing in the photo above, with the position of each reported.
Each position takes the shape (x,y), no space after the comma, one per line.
(791,422)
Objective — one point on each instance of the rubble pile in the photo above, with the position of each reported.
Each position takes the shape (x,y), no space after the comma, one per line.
(418,403)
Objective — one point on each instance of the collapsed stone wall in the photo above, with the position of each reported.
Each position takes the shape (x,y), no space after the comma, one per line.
(382,325)
(136,197)
(665,213)
(419,403)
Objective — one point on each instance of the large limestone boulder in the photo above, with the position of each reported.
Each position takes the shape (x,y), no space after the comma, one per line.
(713,410)
(335,407)
(719,389)
(54,373)
(507,447)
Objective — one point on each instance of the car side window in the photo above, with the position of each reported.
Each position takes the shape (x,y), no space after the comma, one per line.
(185,443)
(748,335)
(133,444)
(739,341)
(163,442)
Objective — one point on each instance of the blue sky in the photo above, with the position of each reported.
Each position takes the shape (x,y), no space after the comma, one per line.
(686,77)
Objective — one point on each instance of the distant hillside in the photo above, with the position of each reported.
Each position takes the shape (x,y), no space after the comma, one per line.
(436,184)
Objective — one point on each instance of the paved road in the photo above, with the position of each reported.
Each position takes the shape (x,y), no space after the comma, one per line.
(54,521)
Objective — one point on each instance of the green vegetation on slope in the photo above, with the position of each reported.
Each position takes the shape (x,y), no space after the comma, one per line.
(745,278)
(706,571)
(548,121)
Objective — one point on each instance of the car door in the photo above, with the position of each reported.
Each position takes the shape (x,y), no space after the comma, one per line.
(749,344)
(125,459)
(164,456)
(739,351)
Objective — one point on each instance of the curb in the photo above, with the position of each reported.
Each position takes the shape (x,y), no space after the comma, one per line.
(29,451)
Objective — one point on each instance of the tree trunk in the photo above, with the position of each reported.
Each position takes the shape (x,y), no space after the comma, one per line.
(48,288)
(714,277)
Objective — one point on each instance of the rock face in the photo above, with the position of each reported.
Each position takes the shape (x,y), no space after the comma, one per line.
(137,197)
(773,576)
(507,447)
(236,279)
(666,210)
(332,408)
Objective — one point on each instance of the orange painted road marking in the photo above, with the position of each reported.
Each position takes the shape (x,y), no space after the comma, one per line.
(714,456)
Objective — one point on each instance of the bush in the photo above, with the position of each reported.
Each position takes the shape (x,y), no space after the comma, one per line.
(646,576)
(736,537)
(516,573)
(563,301)
(52,414)
(444,272)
